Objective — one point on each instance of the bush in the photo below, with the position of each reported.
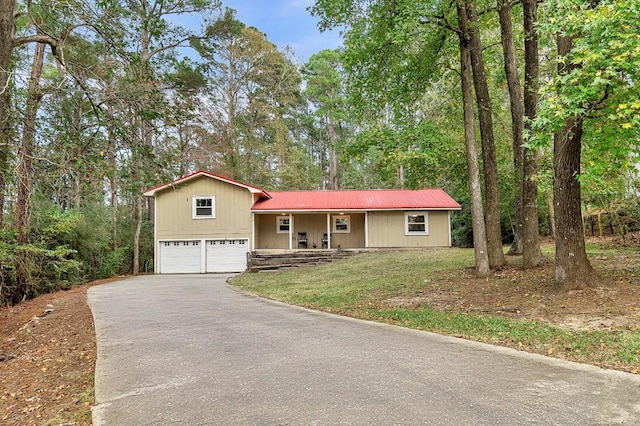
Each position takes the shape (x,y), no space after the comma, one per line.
(117,262)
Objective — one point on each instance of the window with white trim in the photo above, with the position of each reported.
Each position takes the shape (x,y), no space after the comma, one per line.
(342,224)
(204,207)
(416,223)
(282,225)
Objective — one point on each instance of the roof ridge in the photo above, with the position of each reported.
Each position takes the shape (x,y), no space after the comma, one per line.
(151,191)
(354,190)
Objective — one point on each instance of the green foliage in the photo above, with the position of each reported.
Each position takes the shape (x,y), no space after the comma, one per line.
(324,84)
(117,262)
(417,148)
(391,54)
(604,80)
(461,229)
(67,248)
(49,261)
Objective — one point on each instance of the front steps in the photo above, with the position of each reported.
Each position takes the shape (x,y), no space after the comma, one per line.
(263,261)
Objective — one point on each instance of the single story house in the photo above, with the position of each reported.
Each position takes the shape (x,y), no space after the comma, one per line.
(209,223)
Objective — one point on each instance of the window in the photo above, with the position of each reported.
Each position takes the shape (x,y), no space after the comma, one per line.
(282,225)
(204,207)
(416,223)
(342,224)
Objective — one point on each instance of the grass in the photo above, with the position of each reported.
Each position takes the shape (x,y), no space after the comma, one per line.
(361,287)
(351,282)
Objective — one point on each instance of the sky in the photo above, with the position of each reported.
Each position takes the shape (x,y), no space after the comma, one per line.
(286,23)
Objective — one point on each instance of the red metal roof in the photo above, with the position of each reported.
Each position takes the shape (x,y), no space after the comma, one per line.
(350,200)
(152,191)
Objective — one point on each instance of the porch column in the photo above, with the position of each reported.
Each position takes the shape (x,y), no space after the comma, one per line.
(290,231)
(253,232)
(328,230)
(366,229)
(449,228)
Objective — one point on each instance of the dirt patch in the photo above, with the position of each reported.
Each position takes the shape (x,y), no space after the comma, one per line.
(47,360)
(532,295)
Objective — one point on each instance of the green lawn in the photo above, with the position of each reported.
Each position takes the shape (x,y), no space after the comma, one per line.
(361,287)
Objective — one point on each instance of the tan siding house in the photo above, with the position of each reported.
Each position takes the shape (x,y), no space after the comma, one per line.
(387,229)
(174,211)
(209,223)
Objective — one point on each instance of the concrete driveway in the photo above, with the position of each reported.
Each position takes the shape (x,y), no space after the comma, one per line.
(190,350)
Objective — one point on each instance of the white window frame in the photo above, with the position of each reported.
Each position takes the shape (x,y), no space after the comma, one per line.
(194,214)
(279,230)
(334,225)
(416,213)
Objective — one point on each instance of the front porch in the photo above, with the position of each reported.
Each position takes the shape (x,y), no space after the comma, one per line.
(310,231)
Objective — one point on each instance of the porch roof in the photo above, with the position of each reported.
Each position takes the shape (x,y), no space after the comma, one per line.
(356,200)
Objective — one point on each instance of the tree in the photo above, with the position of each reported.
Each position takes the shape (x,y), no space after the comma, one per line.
(7,9)
(324,90)
(25,169)
(477,217)
(531,253)
(598,78)
(253,90)
(42,24)
(526,234)
(572,265)
(8,42)
(489,162)
(517,113)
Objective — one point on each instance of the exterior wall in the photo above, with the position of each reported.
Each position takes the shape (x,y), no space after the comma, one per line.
(353,239)
(174,211)
(266,236)
(315,225)
(387,229)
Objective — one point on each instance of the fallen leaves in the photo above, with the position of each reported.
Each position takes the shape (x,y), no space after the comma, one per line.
(47,360)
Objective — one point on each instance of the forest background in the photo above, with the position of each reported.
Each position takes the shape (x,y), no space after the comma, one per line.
(526,112)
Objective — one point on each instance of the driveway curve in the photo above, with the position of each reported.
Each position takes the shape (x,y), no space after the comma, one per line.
(190,350)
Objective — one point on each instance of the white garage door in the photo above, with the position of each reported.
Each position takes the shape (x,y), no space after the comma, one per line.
(227,255)
(180,257)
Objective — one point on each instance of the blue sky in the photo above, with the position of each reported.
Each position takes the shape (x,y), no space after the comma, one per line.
(286,23)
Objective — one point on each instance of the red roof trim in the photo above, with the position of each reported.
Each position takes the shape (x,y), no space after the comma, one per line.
(152,191)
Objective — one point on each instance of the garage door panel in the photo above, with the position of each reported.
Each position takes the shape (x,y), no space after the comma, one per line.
(180,257)
(228,255)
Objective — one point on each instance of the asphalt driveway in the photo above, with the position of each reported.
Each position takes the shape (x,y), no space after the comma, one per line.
(190,350)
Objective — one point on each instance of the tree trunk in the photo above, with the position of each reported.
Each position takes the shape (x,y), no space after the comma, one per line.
(334,178)
(473,170)
(531,253)
(144,148)
(113,175)
(136,236)
(517,114)
(25,173)
(573,270)
(490,164)
(600,224)
(7,8)
(552,214)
